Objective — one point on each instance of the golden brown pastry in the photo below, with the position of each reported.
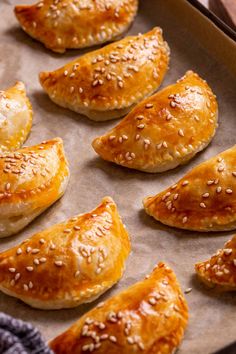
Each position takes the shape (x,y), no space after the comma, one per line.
(62,24)
(165,130)
(15,117)
(203,200)
(149,317)
(220,270)
(106,83)
(31,179)
(69,263)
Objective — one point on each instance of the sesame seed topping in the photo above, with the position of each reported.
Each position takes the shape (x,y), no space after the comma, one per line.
(29,269)
(42,260)
(221,168)
(202,205)
(205,195)
(185,219)
(19,251)
(113,339)
(180,132)
(229,191)
(234,174)
(112,137)
(188,290)
(185,183)
(58,263)
(12,270)
(25,287)
(227,251)
(140,126)
(149,105)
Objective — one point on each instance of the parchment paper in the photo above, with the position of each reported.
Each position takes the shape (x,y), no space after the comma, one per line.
(212,317)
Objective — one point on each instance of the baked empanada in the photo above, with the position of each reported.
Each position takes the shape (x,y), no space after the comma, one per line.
(165,130)
(220,270)
(149,317)
(62,24)
(69,263)
(106,83)
(203,200)
(15,117)
(31,179)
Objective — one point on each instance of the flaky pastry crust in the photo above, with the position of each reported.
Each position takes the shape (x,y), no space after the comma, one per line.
(220,270)
(31,179)
(149,317)
(107,83)
(62,24)
(164,130)
(15,117)
(203,200)
(69,263)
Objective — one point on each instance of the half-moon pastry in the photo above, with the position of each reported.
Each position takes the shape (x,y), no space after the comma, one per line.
(149,317)
(15,117)
(69,263)
(107,83)
(203,200)
(220,270)
(165,130)
(76,24)
(31,179)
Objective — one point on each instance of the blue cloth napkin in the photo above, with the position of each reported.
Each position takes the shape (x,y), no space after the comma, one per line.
(19,337)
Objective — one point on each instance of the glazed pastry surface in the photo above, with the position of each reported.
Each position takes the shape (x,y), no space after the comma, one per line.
(220,270)
(165,130)
(107,83)
(31,179)
(69,263)
(203,200)
(149,317)
(62,24)
(15,117)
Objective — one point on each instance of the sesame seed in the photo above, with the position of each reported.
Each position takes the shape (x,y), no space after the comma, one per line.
(152,301)
(76,227)
(25,287)
(72,89)
(112,137)
(210,182)
(137,137)
(42,241)
(113,339)
(234,174)
(202,205)
(221,168)
(42,260)
(234,262)
(35,251)
(17,276)
(19,251)
(229,191)
(77,273)
(31,285)
(227,251)
(185,219)
(205,195)
(185,183)
(180,132)
(36,261)
(149,105)
(12,270)
(58,263)
(140,126)
(188,290)
(173,104)
(30,269)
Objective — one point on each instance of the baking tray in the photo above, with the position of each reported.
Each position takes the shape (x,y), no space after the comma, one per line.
(196,43)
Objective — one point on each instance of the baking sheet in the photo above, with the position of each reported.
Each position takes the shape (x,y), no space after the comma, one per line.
(195,44)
